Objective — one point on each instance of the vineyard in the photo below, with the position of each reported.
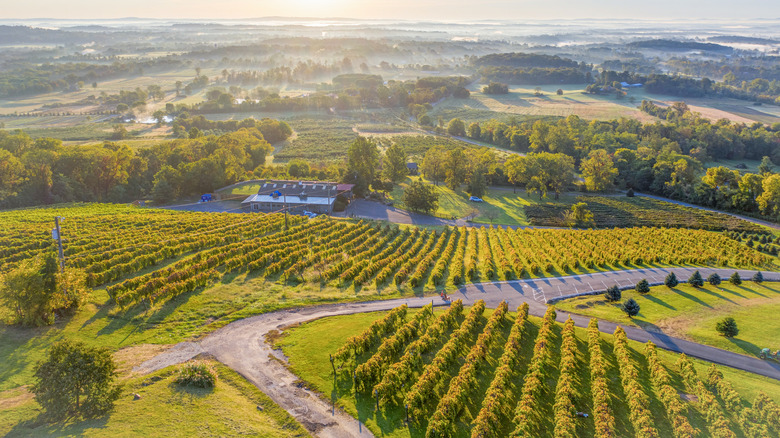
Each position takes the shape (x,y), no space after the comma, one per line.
(639,211)
(150,256)
(477,372)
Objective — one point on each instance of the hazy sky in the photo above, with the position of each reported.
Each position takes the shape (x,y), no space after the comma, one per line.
(400,9)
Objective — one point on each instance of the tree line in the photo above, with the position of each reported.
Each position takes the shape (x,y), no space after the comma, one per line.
(43,171)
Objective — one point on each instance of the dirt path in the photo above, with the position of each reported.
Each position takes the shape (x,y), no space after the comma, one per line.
(241,345)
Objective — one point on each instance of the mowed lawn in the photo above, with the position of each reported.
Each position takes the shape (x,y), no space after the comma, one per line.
(233,407)
(501,206)
(691,313)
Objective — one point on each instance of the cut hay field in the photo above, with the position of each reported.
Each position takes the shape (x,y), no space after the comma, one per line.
(523,102)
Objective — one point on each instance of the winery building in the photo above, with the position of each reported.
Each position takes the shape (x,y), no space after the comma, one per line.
(297,196)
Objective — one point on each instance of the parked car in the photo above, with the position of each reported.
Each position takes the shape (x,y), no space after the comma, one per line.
(310,214)
(475,199)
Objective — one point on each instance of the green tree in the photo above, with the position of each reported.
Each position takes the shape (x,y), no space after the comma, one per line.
(35,291)
(456,127)
(714,279)
(643,286)
(727,327)
(598,170)
(433,164)
(766,167)
(421,197)
(394,166)
(541,172)
(166,185)
(120,133)
(758,277)
(456,167)
(159,116)
(362,162)
(671,280)
(11,174)
(580,216)
(477,184)
(474,131)
(613,294)
(696,280)
(76,381)
(631,307)
(735,279)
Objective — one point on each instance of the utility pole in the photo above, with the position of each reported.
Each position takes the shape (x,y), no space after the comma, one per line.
(285,212)
(58,238)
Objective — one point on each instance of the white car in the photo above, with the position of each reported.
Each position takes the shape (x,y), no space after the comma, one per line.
(475,199)
(310,214)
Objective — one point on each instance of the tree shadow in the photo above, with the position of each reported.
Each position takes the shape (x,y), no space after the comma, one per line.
(690,297)
(656,300)
(38,426)
(748,347)
(189,393)
(715,294)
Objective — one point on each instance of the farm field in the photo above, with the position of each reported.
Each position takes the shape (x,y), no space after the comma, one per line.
(522,102)
(230,408)
(460,372)
(691,313)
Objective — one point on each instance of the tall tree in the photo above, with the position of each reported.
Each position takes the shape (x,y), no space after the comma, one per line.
(433,164)
(394,166)
(76,381)
(456,127)
(456,167)
(362,161)
(766,167)
(598,170)
(421,197)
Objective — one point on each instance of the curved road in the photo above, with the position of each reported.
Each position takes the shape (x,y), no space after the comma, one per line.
(241,345)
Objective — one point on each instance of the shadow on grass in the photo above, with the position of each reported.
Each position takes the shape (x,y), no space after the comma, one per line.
(690,297)
(749,348)
(656,300)
(38,426)
(715,294)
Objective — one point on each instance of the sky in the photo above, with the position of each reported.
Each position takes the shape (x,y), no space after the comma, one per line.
(434,10)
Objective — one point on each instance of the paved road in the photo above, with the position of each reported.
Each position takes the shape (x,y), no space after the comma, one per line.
(241,346)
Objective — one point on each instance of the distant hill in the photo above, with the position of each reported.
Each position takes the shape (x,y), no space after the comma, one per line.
(525,60)
(736,39)
(680,46)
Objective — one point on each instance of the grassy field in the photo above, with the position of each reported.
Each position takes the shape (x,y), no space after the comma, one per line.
(523,103)
(504,206)
(691,313)
(308,354)
(231,408)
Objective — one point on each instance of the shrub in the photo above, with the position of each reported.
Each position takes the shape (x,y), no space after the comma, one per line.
(695,280)
(630,193)
(631,307)
(727,327)
(198,374)
(612,294)
(671,280)
(735,279)
(758,277)
(714,279)
(643,286)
